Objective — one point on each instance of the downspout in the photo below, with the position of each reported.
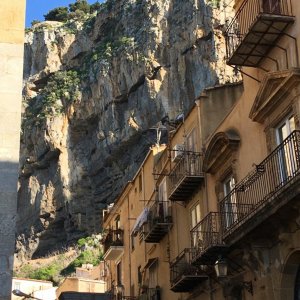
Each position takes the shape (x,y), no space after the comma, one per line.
(144,197)
(130,246)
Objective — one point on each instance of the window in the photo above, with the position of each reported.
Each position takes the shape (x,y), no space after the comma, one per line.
(119,273)
(230,201)
(153,282)
(287,155)
(140,183)
(195,219)
(117,222)
(132,242)
(286,127)
(191,141)
(164,206)
(195,215)
(140,277)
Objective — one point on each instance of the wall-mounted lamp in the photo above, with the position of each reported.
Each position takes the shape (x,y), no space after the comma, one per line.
(221,268)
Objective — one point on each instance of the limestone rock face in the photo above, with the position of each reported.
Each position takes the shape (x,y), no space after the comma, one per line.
(85,133)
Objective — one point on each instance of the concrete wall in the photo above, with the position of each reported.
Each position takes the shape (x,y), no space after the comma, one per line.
(29,286)
(12,23)
(73,284)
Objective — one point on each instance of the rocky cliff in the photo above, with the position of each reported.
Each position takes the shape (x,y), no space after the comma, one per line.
(92,91)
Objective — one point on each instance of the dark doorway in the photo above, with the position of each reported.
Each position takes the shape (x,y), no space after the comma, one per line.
(297,285)
(271,6)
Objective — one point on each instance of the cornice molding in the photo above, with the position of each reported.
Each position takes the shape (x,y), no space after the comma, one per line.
(276,87)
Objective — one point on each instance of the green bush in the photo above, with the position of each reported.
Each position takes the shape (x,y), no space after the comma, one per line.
(61,90)
(80,5)
(33,22)
(50,271)
(64,265)
(46,273)
(57,14)
(95,7)
(93,257)
(75,11)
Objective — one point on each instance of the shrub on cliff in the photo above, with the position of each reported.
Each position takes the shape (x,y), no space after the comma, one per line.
(91,256)
(80,5)
(60,14)
(76,10)
(61,90)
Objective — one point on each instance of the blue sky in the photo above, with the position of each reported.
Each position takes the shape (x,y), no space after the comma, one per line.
(37,8)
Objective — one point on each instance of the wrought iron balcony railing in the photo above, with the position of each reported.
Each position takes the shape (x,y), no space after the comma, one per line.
(185,176)
(255,29)
(207,240)
(114,237)
(184,276)
(159,221)
(265,189)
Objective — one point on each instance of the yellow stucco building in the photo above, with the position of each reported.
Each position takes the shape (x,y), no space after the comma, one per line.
(147,231)
(215,213)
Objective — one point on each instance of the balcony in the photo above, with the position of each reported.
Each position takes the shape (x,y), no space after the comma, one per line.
(256,29)
(159,221)
(113,245)
(185,276)
(207,240)
(186,176)
(269,189)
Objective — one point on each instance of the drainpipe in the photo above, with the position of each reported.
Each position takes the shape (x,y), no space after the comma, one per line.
(144,198)
(130,246)
(198,104)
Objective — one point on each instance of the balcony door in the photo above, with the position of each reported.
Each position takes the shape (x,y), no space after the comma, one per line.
(195,217)
(230,203)
(271,6)
(164,206)
(287,155)
(191,147)
(297,286)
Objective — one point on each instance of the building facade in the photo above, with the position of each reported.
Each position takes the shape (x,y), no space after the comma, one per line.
(219,218)
(148,245)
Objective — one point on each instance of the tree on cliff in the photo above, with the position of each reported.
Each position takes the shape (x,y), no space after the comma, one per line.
(80,5)
(57,14)
(75,11)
